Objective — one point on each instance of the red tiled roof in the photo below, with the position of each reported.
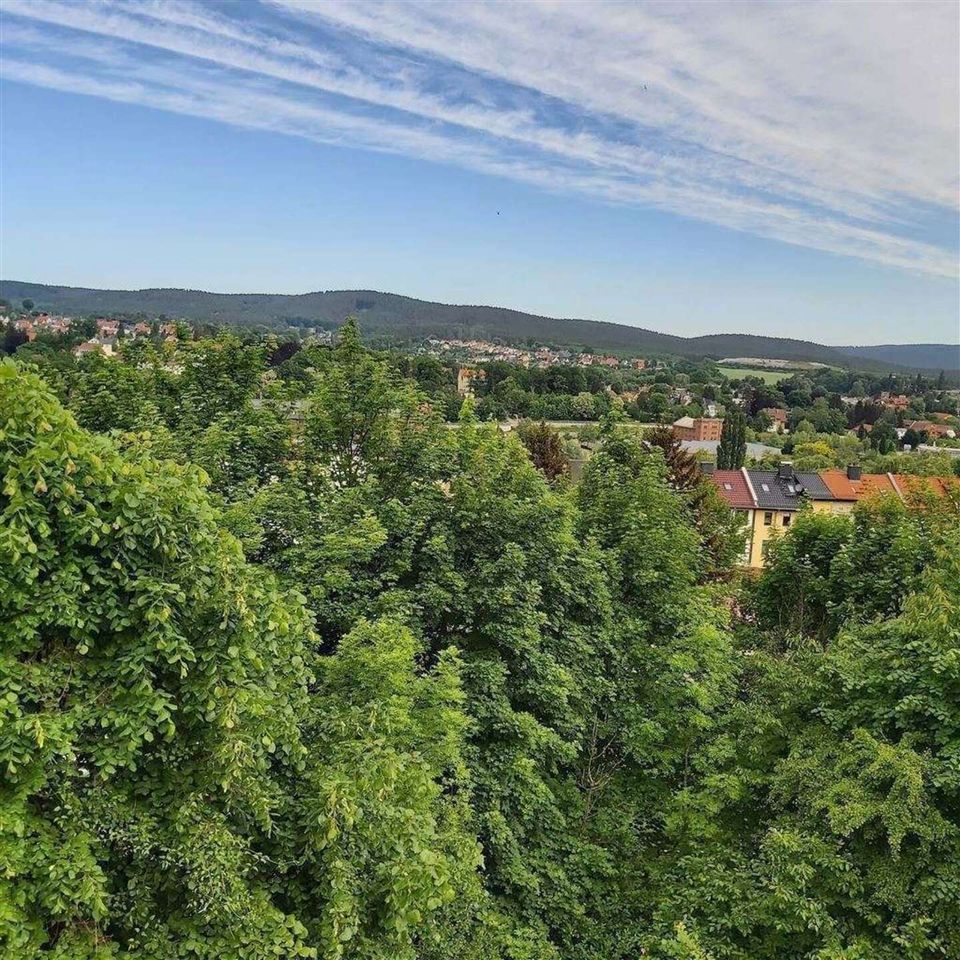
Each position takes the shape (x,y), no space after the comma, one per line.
(939,486)
(733,488)
(869,484)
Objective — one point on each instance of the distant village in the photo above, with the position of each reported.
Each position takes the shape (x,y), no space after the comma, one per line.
(105,333)
(649,388)
(787,443)
(486,351)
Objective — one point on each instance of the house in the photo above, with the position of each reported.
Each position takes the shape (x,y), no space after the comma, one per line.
(852,485)
(734,488)
(930,428)
(58,326)
(139,330)
(910,487)
(778,495)
(697,428)
(108,328)
(638,363)
(778,418)
(26,327)
(168,331)
(466,376)
(92,346)
(771,499)
(897,401)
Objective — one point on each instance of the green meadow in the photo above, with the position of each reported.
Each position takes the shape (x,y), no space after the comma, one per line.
(768,376)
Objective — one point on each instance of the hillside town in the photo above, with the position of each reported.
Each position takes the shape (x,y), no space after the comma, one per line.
(486,351)
(815,437)
(805,410)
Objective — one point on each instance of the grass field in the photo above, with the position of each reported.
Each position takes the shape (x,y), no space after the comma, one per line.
(767,376)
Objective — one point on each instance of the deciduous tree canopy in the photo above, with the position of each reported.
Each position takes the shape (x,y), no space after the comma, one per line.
(291,668)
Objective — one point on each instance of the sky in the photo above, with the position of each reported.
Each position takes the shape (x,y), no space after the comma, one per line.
(787,168)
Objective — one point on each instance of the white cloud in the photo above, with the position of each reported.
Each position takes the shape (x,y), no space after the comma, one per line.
(810,124)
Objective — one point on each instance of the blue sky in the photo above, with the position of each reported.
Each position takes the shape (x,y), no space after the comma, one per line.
(787,169)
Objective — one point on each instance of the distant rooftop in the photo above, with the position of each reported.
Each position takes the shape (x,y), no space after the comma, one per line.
(754,450)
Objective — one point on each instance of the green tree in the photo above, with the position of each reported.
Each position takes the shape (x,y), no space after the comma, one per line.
(110,395)
(732,451)
(365,420)
(720,528)
(243,449)
(545,447)
(218,376)
(150,685)
(182,776)
(883,437)
(823,812)
(381,837)
(12,339)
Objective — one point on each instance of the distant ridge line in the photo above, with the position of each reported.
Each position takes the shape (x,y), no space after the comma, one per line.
(406,318)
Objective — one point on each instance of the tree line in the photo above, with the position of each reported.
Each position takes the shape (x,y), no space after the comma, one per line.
(340,681)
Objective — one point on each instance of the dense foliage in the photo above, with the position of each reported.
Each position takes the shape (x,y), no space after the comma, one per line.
(290,667)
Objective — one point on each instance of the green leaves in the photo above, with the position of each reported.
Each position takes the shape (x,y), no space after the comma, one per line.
(443,709)
(383,795)
(123,770)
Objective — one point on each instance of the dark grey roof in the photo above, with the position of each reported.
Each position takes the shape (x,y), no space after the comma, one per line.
(754,450)
(774,492)
(813,486)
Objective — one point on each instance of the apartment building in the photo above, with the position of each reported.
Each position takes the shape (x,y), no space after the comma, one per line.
(697,428)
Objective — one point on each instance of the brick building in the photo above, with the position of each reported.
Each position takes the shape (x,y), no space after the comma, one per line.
(697,428)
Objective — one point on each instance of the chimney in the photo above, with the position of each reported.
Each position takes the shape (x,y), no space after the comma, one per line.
(854,471)
(706,467)
(785,470)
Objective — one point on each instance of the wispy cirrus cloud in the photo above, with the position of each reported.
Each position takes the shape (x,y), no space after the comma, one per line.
(808,124)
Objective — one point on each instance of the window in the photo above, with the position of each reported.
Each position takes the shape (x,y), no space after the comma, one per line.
(728,486)
(767,519)
(766,487)
(786,519)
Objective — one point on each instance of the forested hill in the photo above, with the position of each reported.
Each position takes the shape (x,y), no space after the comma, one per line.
(930,356)
(406,317)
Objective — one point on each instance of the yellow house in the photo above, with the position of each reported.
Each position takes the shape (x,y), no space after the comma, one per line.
(770,500)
